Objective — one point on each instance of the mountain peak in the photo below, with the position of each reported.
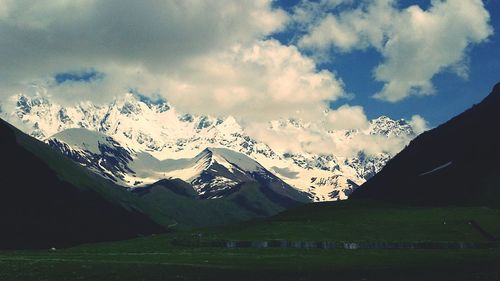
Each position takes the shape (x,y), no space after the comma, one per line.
(386,126)
(496,88)
(229,158)
(91,141)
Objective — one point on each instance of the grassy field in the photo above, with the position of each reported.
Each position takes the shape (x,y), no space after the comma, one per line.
(158,258)
(366,222)
(253,264)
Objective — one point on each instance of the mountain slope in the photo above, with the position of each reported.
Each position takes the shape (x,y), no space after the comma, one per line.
(41,207)
(215,171)
(453,164)
(245,201)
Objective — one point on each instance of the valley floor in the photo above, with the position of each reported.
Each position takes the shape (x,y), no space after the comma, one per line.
(252,264)
(184,255)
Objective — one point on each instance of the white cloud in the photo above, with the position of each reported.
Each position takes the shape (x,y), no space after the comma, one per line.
(327,135)
(263,81)
(416,44)
(4,8)
(347,117)
(419,124)
(316,140)
(205,57)
(292,139)
(44,37)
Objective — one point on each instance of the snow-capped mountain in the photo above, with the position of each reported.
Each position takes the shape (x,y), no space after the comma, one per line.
(142,126)
(96,151)
(213,173)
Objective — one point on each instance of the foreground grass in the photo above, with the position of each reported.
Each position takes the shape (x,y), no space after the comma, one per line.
(158,257)
(253,264)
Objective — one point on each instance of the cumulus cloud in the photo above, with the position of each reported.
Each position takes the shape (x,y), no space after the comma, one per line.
(415,44)
(58,35)
(419,124)
(344,132)
(263,81)
(205,57)
(347,117)
(317,140)
(292,139)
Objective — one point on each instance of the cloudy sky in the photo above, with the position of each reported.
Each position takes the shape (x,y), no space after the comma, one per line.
(259,60)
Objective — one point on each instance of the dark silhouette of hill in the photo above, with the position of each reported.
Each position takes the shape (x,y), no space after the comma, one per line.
(40,207)
(457,163)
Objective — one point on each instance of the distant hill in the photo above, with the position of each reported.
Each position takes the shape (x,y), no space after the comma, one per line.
(49,201)
(179,201)
(457,163)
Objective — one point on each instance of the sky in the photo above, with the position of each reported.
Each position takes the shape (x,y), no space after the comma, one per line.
(338,63)
(452,93)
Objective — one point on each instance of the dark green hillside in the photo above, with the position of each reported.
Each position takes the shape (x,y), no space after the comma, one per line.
(54,202)
(364,221)
(457,163)
(178,200)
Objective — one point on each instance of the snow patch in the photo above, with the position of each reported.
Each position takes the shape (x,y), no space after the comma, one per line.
(436,169)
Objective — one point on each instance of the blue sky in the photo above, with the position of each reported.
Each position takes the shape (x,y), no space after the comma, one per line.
(453,93)
(88,76)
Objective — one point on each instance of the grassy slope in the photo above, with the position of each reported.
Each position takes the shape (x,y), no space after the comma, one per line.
(188,212)
(366,222)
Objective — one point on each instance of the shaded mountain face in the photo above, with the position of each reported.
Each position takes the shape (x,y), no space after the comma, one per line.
(142,125)
(95,151)
(213,173)
(456,163)
(40,209)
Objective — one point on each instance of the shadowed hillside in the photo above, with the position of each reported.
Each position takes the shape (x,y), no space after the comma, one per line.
(456,163)
(40,209)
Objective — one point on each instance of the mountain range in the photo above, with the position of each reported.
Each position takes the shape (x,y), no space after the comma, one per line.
(135,141)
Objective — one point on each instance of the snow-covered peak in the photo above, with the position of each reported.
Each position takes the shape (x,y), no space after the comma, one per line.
(87,140)
(388,127)
(228,158)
